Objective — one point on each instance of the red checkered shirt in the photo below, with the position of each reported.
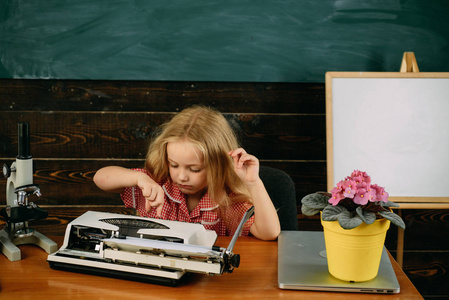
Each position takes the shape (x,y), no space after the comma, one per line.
(175,208)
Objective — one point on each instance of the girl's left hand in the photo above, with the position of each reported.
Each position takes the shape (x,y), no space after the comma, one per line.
(245,165)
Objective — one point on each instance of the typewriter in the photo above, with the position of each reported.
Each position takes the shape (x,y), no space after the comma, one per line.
(143,249)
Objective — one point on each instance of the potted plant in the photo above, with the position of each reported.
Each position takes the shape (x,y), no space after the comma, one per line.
(355,215)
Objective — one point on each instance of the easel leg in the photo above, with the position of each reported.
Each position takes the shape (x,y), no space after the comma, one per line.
(400,245)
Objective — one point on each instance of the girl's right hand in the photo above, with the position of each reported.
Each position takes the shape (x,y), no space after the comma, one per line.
(153,193)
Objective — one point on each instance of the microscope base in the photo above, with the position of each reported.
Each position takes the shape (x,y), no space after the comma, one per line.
(12,252)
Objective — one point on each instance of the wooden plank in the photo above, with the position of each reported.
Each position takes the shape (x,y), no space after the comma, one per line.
(426,229)
(126,134)
(159,96)
(429,272)
(69,181)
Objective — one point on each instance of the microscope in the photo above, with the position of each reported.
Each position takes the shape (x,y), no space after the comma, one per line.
(19,211)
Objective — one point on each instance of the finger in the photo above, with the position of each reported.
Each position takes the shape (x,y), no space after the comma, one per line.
(146,192)
(236,159)
(151,200)
(236,156)
(237,152)
(245,158)
(148,206)
(156,203)
(153,204)
(160,199)
(159,210)
(150,193)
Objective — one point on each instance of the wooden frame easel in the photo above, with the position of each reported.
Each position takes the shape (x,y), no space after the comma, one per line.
(409,69)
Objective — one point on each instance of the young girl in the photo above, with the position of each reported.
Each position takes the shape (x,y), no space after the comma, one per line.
(195,172)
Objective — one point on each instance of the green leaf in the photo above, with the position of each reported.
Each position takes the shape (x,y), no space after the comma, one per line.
(366,216)
(331,213)
(307,211)
(349,220)
(315,200)
(314,203)
(394,218)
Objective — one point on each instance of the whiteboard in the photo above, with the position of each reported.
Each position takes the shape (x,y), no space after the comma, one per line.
(395,127)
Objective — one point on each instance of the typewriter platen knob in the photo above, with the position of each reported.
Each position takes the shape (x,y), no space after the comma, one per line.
(231,261)
(235,260)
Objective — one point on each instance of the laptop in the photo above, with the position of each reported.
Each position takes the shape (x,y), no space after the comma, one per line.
(302,265)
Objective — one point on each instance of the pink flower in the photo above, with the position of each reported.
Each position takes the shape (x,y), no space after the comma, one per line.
(361,197)
(337,194)
(371,194)
(362,176)
(381,194)
(349,193)
(360,184)
(358,187)
(348,183)
(335,199)
(336,189)
(350,188)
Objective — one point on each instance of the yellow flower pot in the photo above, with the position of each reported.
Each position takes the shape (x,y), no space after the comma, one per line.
(354,254)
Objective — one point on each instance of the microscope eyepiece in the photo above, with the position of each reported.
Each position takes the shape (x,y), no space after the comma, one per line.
(24,141)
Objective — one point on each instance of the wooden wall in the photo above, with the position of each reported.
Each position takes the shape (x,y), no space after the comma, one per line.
(79,126)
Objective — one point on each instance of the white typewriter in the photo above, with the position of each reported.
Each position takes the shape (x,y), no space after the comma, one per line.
(143,249)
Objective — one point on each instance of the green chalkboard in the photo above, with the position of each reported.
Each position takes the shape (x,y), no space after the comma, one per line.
(218,40)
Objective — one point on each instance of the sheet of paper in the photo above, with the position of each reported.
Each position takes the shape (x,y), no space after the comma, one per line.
(137,244)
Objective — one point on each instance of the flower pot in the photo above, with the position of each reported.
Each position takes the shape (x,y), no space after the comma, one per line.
(354,254)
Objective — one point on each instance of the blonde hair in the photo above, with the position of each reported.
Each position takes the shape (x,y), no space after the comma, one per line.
(207,129)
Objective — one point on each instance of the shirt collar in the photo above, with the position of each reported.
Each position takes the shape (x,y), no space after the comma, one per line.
(173,192)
